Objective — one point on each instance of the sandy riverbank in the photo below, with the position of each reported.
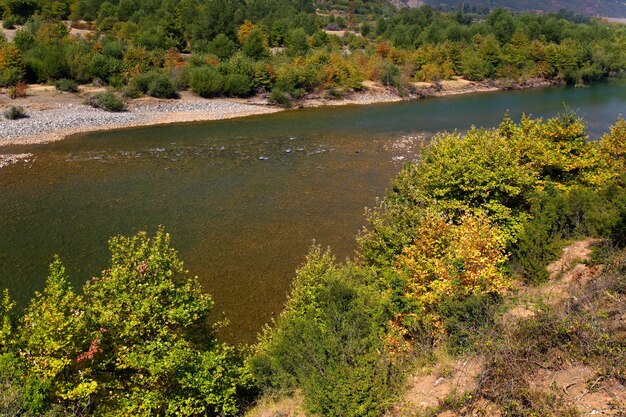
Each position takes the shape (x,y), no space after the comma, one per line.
(53,116)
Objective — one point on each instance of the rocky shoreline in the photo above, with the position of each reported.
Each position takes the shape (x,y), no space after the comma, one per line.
(54,116)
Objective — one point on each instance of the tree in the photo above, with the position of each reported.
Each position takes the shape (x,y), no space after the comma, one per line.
(222,46)
(446,261)
(53,334)
(297,42)
(255,45)
(11,66)
(137,343)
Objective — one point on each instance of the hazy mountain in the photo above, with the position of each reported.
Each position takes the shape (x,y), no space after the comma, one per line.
(610,8)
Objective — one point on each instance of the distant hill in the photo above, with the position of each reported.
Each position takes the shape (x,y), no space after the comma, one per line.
(608,8)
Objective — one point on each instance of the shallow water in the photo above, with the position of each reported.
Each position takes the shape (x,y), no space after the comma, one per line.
(243,199)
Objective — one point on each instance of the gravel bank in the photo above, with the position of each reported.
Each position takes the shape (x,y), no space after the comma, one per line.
(63,119)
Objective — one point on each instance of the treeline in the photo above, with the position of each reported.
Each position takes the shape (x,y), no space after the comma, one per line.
(476,213)
(282,47)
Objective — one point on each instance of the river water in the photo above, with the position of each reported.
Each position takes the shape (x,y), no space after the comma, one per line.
(244,198)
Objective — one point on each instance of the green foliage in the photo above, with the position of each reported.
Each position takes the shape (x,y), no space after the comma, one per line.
(328,342)
(222,46)
(11,384)
(136,343)
(11,66)
(6,320)
(47,62)
(557,216)
(15,113)
(277,96)
(206,82)
(67,86)
(256,45)
(390,75)
(106,101)
(237,85)
(155,84)
(478,170)
(298,43)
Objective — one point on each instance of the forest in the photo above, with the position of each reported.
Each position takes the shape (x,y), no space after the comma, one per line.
(288,49)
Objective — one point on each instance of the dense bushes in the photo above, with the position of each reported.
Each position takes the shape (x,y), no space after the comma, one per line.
(414,45)
(136,342)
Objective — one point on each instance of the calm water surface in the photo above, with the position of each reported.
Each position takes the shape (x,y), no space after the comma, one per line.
(243,199)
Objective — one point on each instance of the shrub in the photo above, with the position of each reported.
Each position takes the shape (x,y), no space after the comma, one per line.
(17,91)
(206,82)
(155,84)
(48,61)
(237,85)
(110,349)
(162,86)
(329,342)
(67,86)
(279,97)
(256,44)
(8,22)
(446,262)
(14,113)
(106,101)
(11,65)
(222,46)
(390,75)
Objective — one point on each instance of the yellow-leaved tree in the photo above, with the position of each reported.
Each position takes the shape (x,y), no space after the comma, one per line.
(446,262)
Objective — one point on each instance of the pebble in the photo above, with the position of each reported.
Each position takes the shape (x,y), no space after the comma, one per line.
(77,117)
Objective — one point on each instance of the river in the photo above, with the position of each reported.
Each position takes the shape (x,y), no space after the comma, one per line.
(243,198)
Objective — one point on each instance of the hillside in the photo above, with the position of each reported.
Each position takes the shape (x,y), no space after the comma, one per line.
(610,8)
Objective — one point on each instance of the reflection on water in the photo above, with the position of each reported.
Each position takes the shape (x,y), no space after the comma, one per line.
(243,199)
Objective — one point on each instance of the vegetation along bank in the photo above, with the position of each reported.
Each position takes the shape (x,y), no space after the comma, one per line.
(281,53)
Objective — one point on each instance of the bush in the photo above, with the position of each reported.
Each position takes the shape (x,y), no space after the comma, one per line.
(390,75)
(256,45)
(206,82)
(222,46)
(162,86)
(14,113)
(237,85)
(8,22)
(110,349)
(279,97)
(329,342)
(447,262)
(17,91)
(67,86)
(155,84)
(106,101)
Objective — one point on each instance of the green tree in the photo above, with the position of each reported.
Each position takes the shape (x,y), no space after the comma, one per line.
(222,46)
(256,46)
(297,42)
(329,342)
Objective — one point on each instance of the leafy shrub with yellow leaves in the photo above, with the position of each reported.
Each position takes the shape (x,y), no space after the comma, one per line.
(447,261)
